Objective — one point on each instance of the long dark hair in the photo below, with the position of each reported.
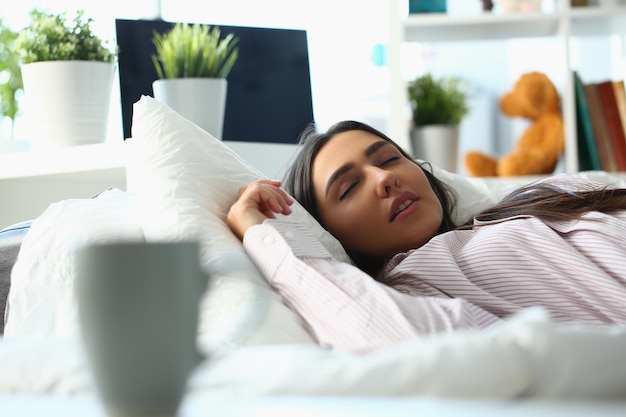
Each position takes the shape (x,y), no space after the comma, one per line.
(545,201)
(551,202)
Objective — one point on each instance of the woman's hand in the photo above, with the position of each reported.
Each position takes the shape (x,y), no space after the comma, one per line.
(256,202)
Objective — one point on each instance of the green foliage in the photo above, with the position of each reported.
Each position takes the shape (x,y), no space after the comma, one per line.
(50,37)
(440,101)
(194,51)
(10,74)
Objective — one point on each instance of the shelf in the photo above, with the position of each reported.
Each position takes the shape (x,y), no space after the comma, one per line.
(442,27)
(109,160)
(595,21)
(83,159)
(564,24)
(585,21)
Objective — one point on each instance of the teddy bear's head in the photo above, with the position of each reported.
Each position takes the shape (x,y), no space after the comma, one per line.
(533,96)
(539,147)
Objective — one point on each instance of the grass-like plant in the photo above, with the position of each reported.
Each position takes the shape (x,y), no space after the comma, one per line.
(194,51)
(50,37)
(437,101)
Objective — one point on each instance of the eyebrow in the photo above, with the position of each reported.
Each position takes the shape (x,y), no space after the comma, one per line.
(342,170)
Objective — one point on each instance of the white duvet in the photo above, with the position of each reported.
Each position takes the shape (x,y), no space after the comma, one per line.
(527,356)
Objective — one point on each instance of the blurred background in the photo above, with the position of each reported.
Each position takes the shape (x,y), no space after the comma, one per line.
(349,78)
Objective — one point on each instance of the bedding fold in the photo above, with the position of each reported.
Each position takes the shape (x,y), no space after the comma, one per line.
(526,356)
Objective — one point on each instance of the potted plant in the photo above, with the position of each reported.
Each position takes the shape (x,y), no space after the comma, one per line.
(68,77)
(438,105)
(192,62)
(11,80)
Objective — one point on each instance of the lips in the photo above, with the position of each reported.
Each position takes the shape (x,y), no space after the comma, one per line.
(400,203)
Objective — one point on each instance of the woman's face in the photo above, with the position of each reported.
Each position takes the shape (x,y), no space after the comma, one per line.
(373,199)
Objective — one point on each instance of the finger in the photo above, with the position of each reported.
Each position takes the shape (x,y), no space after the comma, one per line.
(268,213)
(270,188)
(253,184)
(267,197)
(275,183)
(277,200)
(285,201)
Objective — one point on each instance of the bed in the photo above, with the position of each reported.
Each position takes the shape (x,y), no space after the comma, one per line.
(181,182)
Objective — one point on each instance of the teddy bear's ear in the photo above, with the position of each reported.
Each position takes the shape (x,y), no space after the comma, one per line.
(545,97)
(532,96)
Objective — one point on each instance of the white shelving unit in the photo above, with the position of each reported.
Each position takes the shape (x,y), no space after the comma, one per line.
(564,24)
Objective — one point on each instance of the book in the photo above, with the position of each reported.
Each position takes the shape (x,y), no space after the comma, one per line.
(620,97)
(606,92)
(600,130)
(588,158)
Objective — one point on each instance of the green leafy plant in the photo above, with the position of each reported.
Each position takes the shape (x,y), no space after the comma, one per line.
(51,37)
(10,74)
(194,51)
(437,101)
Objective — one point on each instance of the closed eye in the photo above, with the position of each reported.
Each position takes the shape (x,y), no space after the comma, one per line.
(347,191)
(354,184)
(390,160)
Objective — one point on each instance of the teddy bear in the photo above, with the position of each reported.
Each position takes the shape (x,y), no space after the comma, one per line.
(540,146)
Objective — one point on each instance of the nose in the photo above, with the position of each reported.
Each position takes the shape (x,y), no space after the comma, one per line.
(385,181)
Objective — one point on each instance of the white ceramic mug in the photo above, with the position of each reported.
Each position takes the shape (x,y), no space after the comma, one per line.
(138,309)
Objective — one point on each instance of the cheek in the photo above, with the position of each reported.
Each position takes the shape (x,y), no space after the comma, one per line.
(347,225)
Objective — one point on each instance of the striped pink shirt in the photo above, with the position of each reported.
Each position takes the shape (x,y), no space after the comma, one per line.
(469,279)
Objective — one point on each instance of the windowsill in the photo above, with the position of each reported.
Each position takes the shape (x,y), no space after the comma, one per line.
(72,159)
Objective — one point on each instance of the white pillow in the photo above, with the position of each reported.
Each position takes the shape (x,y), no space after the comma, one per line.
(185,181)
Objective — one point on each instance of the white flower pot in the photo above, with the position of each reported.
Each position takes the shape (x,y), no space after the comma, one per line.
(436,144)
(67,102)
(200,100)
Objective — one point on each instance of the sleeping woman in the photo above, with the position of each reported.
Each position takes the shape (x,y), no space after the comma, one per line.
(559,243)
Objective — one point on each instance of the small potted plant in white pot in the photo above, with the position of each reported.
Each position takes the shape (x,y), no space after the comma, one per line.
(438,107)
(68,76)
(192,63)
